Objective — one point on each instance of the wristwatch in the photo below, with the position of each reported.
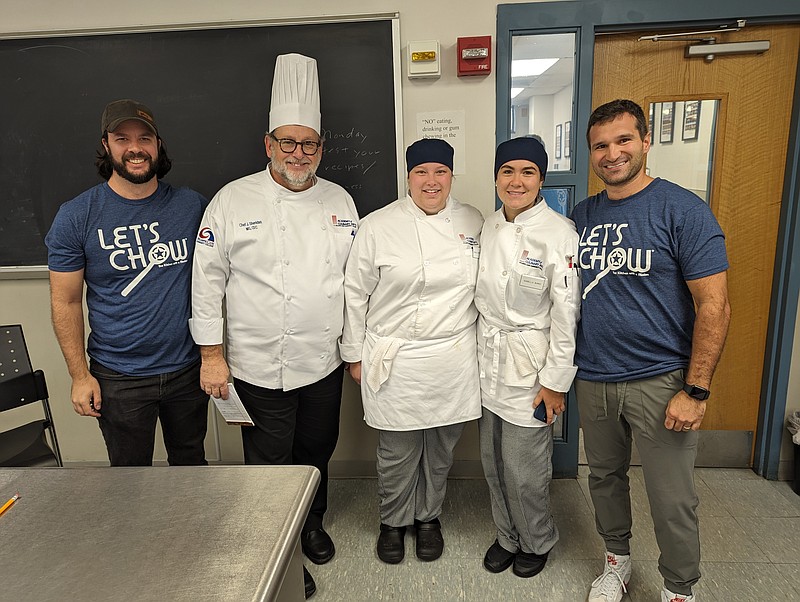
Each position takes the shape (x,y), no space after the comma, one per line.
(699,393)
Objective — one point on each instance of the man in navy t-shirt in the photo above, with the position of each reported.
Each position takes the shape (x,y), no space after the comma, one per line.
(130,240)
(649,252)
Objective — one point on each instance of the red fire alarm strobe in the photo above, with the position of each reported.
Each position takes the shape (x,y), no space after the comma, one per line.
(475,55)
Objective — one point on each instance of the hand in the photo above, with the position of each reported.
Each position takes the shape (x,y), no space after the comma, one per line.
(355,372)
(86,397)
(214,376)
(553,401)
(684,413)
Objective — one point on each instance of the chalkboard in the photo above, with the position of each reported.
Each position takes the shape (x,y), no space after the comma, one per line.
(210,92)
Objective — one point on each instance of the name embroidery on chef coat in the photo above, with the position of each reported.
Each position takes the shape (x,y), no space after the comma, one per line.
(530,261)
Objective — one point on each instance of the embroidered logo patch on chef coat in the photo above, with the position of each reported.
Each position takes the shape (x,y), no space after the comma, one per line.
(205,237)
(530,261)
(344,223)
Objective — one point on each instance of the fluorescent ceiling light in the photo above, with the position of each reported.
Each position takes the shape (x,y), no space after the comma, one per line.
(515,91)
(531,67)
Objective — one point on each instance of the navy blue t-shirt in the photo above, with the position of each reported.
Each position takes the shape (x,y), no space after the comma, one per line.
(635,256)
(137,257)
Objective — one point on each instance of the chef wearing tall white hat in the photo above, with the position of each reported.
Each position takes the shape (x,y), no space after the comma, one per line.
(273,245)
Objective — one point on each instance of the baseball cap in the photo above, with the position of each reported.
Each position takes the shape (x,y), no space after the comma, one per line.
(122,110)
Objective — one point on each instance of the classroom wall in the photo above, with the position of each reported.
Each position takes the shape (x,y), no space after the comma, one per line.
(26,301)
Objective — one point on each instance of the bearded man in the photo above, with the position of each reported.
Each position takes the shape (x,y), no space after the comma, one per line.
(274,245)
(130,240)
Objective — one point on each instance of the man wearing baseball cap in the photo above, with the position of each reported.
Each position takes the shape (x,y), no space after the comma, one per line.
(130,241)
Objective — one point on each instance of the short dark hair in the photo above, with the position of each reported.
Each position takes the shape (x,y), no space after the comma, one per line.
(105,167)
(611,110)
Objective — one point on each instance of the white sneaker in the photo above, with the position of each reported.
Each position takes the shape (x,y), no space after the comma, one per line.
(668,596)
(613,583)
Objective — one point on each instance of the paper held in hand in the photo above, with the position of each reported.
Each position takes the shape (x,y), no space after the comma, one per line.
(232,409)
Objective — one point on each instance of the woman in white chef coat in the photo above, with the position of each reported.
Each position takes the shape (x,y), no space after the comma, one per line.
(409,338)
(529,300)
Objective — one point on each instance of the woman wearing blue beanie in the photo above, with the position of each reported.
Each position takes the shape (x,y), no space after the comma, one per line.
(528,296)
(409,337)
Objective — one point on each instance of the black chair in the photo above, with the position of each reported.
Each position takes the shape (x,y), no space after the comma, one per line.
(24,445)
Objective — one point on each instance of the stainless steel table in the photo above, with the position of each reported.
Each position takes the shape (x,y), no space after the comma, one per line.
(155,533)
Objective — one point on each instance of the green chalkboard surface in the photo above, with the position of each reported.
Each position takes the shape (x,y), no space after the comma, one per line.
(210,92)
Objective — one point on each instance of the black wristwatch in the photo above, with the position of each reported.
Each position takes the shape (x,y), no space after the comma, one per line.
(699,393)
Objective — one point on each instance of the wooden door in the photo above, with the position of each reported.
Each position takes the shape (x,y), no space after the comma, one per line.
(755,94)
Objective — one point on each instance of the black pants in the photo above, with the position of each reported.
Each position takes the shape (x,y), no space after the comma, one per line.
(132,404)
(300,426)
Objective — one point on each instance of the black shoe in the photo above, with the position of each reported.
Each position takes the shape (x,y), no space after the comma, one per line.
(308,582)
(391,544)
(317,546)
(528,564)
(497,558)
(430,543)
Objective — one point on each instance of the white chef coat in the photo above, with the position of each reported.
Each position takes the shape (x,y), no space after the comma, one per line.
(278,259)
(410,317)
(528,296)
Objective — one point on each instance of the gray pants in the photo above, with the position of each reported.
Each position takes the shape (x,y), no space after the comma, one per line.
(610,414)
(412,472)
(517,462)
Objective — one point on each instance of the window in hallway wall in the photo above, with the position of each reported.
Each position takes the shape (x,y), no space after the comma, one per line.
(542,93)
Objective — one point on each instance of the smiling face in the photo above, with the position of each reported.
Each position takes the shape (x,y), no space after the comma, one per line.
(617,155)
(133,148)
(518,185)
(429,186)
(295,170)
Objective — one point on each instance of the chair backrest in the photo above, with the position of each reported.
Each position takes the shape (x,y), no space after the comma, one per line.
(20,385)
(16,372)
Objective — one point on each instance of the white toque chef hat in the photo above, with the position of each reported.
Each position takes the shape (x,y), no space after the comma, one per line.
(295,93)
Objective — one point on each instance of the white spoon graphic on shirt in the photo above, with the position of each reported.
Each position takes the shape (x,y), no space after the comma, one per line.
(158,254)
(616,259)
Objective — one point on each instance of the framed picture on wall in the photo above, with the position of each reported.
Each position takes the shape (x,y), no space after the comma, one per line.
(652,122)
(567,138)
(667,121)
(691,119)
(558,141)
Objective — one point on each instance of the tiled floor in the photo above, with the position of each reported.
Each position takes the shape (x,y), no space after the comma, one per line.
(750,537)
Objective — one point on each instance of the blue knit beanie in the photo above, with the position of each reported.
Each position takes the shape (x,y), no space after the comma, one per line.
(429,150)
(521,148)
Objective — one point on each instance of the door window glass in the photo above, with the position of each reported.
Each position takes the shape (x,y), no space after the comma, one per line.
(542,93)
(682,143)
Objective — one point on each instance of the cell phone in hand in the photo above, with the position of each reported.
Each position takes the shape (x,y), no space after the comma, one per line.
(540,413)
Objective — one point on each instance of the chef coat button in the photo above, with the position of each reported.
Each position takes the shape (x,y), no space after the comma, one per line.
(288,297)
(278,201)
(496,226)
(324,228)
(427,262)
(455,262)
(320,202)
(519,230)
(327,260)
(483,267)
(505,273)
(452,306)
(290,331)
(286,262)
(447,219)
(485,307)
(286,363)
(283,228)
(328,295)
(327,329)
(322,356)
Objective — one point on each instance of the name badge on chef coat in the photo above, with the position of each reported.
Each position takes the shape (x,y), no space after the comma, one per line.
(535,283)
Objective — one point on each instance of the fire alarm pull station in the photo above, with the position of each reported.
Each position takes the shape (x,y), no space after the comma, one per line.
(474,55)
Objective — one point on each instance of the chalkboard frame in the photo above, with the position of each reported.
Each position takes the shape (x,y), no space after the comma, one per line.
(392,19)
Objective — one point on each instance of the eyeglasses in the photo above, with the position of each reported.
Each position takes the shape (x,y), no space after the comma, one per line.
(287,145)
